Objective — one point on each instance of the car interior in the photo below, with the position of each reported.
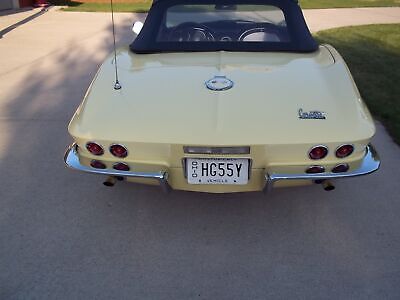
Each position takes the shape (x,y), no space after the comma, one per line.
(232,23)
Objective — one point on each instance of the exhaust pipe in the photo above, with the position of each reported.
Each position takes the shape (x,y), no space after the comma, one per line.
(328,186)
(110,181)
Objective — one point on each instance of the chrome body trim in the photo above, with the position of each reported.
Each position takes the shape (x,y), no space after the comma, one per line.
(370,164)
(71,159)
(229,150)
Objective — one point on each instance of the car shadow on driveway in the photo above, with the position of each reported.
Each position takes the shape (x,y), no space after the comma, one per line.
(66,236)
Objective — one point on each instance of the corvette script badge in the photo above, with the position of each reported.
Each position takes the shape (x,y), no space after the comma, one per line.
(311,115)
(219,83)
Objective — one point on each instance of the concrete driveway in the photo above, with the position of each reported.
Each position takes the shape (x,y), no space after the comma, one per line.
(63,235)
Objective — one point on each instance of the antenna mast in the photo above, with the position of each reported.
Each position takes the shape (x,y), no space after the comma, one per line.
(117,85)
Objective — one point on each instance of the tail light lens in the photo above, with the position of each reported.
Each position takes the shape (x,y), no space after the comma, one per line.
(318,152)
(315,170)
(94,148)
(344,151)
(97,164)
(118,151)
(342,168)
(121,167)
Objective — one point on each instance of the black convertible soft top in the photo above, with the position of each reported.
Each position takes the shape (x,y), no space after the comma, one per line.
(300,40)
(154,1)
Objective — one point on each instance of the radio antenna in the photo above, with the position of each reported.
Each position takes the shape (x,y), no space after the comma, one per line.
(117,85)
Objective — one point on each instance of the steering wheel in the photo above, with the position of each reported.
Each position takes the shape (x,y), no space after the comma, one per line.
(266,33)
(191,32)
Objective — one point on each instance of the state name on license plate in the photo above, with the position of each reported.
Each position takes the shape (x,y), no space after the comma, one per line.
(217,170)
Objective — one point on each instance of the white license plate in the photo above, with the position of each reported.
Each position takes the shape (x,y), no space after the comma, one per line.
(217,170)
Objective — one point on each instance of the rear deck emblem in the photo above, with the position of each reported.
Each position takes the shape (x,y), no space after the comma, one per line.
(313,115)
(219,83)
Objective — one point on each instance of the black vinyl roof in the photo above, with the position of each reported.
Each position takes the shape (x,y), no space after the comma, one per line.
(301,38)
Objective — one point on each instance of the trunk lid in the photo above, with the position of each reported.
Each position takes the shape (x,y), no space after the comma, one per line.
(164,99)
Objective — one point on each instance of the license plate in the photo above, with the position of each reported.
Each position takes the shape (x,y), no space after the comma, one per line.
(217,171)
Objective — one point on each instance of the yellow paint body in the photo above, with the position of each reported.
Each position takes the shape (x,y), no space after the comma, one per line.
(164,105)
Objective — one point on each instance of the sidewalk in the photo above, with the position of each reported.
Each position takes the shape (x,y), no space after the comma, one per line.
(321,19)
(11,17)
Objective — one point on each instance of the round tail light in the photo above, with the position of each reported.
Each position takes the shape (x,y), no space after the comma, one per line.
(318,152)
(118,151)
(121,167)
(344,151)
(94,148)
(315,170)
(97,164)
(342,168)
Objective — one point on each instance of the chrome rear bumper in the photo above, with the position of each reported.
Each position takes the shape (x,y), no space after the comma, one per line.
(71,159)
(370,164)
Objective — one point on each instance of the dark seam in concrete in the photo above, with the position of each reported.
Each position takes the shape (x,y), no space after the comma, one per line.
(22,22)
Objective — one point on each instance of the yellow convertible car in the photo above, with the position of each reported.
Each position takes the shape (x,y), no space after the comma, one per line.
(220,97)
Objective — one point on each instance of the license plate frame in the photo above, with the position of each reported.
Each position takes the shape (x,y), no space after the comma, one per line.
(218,171)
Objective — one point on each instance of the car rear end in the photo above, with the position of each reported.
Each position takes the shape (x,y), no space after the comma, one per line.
(287,119)
(222,169)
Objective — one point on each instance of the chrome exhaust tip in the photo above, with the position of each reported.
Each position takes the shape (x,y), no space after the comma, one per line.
(328,186)
(110,181)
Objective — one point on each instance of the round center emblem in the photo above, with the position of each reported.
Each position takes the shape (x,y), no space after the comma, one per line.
(219,83)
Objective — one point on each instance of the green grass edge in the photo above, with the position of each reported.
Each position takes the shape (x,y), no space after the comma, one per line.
(372,53)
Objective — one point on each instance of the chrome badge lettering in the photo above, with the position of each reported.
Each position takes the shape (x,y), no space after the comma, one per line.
(219,83)
(311,115)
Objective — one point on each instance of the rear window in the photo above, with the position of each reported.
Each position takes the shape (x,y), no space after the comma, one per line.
(228,25)
(223,23)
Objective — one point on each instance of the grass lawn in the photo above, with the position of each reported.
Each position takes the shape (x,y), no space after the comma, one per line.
(373,55)
(347,3)
(144,5)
